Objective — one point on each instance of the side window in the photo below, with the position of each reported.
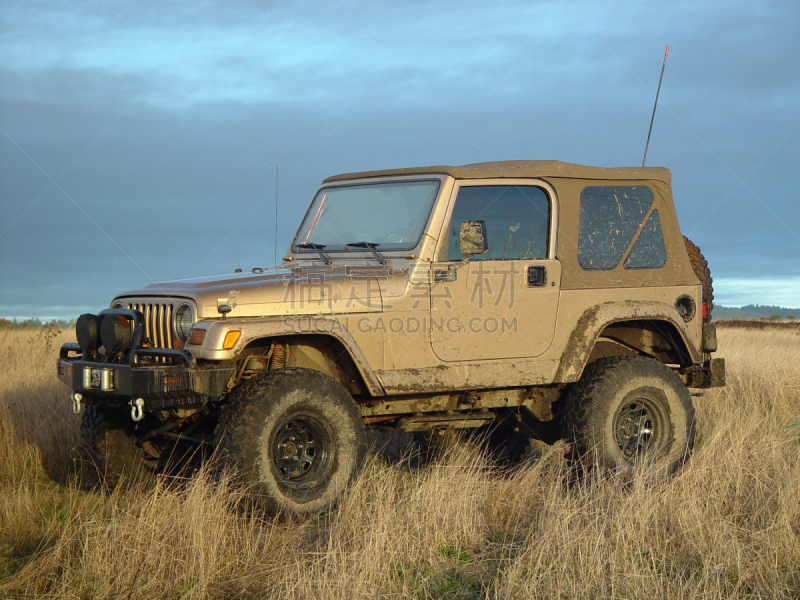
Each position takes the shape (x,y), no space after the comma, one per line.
(609,218)
(517,220)
(648,252)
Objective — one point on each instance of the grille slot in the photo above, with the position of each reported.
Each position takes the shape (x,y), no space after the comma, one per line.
(157,323)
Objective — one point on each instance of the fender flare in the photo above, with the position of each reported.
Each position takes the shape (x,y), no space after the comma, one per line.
(287,327)
(594,320)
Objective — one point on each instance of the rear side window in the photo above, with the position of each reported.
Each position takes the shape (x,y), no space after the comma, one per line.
(609,218)
(648,252)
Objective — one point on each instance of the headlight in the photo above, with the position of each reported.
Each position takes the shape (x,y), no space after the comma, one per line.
(184,319)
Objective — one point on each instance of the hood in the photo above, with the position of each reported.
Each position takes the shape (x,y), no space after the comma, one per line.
(305,291)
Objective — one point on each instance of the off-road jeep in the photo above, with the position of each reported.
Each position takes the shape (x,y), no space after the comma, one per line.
(536,299)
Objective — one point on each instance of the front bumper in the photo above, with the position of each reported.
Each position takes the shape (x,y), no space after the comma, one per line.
(159,386)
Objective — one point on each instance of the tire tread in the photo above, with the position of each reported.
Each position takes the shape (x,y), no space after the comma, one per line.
(701,270)
(585,396)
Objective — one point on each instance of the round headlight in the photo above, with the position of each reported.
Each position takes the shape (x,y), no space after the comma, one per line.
(184,319)
(115,333)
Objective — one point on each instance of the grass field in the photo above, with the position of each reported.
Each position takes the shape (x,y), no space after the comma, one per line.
(726,526)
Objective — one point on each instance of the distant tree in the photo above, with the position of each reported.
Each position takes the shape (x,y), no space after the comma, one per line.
(791,317)
(776,318)
(6,324)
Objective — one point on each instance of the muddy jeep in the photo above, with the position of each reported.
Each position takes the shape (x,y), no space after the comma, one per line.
(533,299)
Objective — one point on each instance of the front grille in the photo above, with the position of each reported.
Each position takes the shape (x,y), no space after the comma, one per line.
(157,323)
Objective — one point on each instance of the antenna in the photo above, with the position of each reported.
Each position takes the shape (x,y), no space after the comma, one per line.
(649,131)
(275,255)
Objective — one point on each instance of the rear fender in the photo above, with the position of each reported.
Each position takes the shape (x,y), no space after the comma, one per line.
(592,325)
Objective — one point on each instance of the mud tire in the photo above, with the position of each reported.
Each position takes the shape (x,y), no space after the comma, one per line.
(108,452)
(286,413)
(435,445)
(703,273)
(607,414)
(501,446)
(504,447)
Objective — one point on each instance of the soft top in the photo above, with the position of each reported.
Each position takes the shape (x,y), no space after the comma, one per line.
(520,169)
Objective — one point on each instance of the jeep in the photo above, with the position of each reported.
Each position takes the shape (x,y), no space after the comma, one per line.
(534,299)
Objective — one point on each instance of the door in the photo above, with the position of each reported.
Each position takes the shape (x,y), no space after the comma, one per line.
(503,303)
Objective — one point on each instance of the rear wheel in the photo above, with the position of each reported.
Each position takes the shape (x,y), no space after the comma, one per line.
(293,437)
(629,413)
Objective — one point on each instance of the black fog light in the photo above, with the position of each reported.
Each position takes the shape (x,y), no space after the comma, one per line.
(115,333)
(87,332)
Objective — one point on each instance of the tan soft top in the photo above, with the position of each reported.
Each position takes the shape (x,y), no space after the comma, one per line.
(521,169)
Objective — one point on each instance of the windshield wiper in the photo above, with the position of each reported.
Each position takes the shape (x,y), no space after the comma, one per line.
(370,246)
(317,247)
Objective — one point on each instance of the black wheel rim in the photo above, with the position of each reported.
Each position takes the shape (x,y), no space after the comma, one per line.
(301,451)
(640,429)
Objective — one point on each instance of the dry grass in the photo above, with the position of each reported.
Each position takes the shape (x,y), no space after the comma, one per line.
(727,526)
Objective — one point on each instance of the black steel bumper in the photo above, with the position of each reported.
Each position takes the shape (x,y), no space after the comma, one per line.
(160,386)
(710,375)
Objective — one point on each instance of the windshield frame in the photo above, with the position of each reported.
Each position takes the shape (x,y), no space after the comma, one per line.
(439,179)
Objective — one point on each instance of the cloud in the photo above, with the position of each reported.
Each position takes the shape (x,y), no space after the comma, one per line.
(177,168)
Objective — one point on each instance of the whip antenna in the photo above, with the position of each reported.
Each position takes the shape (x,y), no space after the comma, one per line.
(275,255)
(649,131)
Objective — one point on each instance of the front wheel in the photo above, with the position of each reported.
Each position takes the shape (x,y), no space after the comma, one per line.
(294,437)
(629,413)
(110,452)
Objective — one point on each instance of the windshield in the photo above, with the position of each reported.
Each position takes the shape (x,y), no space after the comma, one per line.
(391,215)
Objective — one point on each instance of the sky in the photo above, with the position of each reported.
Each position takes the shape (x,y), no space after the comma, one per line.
(139,141)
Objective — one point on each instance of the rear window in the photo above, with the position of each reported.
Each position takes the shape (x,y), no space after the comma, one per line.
(609,218)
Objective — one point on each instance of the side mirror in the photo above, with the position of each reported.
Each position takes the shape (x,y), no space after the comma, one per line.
(472,238)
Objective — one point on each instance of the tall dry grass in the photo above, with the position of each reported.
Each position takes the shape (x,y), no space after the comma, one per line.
(727,526)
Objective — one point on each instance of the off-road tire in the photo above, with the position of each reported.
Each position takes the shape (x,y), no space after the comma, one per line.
(435,445)
(607,414)
(271,423)
(500,445)
(703,273)
(504,447)
(108,452)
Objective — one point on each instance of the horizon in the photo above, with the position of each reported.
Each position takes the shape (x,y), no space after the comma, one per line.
(48,319)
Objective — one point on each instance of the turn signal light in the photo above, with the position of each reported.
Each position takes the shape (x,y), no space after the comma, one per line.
(230,339)
(196,337)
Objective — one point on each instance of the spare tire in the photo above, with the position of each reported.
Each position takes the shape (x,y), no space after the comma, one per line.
(701,270)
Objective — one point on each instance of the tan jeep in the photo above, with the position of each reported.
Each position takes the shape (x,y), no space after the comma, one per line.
(538,299)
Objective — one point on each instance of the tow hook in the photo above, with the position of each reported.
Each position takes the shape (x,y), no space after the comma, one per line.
(76,402)
(137,409)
